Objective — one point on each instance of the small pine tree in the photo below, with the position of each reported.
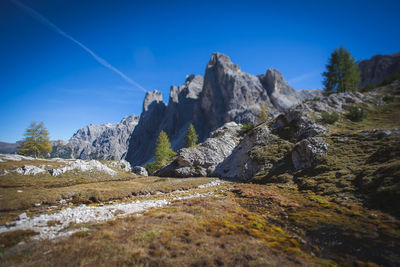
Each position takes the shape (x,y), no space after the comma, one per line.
(263,114)
(36,142)
(191,136)
(342,73)
(163,152)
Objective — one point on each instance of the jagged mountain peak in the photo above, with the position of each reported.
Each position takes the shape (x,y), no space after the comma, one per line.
(225,94)
(220,60)
(152,97)
(191,88)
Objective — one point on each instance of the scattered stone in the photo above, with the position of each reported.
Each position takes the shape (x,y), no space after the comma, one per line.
(139,170)
(84,166)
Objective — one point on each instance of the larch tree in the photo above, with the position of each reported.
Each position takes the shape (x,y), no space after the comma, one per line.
(342,73)
(191,136)
(163,152)
(36,142)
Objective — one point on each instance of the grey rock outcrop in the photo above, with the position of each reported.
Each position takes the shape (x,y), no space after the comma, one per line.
(309,152)
(30,170)
(225,94)
(230,94)
(376,69)
(104,141)
(83,166)
(295,124)
(202,159)
(281,94)
(140,171)
(239,165)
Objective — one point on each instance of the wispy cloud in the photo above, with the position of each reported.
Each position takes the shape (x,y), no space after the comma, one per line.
(303,77)
(55,28)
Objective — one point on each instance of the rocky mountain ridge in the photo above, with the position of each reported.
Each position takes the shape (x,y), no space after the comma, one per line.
(105,141)
(376,69)
(225,94)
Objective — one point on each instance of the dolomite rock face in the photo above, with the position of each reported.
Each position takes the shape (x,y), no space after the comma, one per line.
(281,94)
(230,94)
(377,68)
(143,138)
(225,94)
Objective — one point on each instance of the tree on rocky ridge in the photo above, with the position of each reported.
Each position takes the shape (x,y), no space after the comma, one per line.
(263,114)
(191,136)
(163,152)
(36,142)
(342,72)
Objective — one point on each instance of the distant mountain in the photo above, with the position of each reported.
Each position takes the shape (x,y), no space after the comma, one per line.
(378,68)
(224,94)
(8,148)
(104,141)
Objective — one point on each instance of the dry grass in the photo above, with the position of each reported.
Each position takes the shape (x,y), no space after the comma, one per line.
(253,225)
(196,232)
(36,193)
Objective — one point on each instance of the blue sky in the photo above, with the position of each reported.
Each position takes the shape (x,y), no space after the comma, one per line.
(45,76)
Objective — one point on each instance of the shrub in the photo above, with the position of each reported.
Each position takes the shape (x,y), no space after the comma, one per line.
(247,127)
(356,114)
(153,167)
(330,118)
(388,98)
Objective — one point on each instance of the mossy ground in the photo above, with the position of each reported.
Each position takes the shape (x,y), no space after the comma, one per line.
(360,165)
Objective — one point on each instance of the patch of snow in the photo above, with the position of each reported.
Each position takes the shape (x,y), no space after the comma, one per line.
(84,166)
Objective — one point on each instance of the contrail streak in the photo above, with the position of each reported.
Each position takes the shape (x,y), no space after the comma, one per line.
(52,26)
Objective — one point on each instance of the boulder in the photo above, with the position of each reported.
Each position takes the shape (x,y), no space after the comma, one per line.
(201,160)
(296,124)
(139,170)
(309,152)
(30,170)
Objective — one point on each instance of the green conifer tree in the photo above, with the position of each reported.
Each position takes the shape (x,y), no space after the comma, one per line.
(163,152)
(263,114)
(36,142)
(191,136)
(342,72)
